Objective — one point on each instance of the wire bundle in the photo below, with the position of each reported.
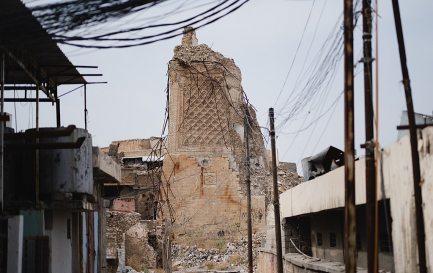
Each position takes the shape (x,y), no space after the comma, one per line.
(124,23)
(307,103)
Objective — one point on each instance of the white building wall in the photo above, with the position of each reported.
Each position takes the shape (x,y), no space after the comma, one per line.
(60,244)
(327,192)
(15,244)
(426,153)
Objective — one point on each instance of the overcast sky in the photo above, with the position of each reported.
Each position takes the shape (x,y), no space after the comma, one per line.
(262,38)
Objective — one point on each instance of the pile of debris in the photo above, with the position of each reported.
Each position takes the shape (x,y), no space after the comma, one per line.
(230,256)
(132,242)
(118,222)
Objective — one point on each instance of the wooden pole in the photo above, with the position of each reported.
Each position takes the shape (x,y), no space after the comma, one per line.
(276,195)
(370,172)
(413,140)
(247,130)
(349,154)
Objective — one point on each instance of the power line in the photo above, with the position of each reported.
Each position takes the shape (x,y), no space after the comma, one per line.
(82,23)
(320,71)
(70,91)
(296,54)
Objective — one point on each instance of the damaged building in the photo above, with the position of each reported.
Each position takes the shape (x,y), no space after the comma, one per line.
(190,186)
(205,170)
(52,214)
(141,166)
(132,233)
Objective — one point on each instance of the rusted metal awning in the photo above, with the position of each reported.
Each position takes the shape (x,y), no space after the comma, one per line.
(32,57)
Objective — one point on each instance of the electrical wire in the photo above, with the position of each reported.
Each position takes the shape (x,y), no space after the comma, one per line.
(296,54)
(84,23)
(322,67)
(70,91)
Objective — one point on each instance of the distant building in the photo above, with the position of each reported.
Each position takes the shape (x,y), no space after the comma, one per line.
(420,119)
(132,234)
(141,167)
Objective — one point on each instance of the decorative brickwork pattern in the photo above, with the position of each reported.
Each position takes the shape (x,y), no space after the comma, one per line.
(204,115)
(204,172)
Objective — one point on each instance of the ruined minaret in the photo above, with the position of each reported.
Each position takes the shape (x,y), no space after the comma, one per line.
(204,170)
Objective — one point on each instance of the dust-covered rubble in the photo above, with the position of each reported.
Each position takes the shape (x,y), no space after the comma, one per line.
(231,256)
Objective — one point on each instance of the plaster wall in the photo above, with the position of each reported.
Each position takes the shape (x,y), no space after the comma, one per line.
(67,170)
(15,244)
(60,244)
(106,164)
(327,192)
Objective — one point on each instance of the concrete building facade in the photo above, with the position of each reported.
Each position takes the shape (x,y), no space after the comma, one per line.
(312,215)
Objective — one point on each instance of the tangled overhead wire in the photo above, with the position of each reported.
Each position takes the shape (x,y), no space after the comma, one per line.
(316,79)
(126,23)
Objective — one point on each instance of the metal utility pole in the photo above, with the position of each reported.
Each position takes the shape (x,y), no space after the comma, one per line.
(58,121)
(85,106)
(417,183)
(349,154)
(276,195)
(57,101)
(248,183)
(370,170)
(37,159)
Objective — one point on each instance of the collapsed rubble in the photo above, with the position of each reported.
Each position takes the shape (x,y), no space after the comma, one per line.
(137,240)
(198,176)
(230,256)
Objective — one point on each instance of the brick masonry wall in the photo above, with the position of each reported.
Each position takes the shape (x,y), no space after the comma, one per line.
(204,173)
(124,204)
(209,204)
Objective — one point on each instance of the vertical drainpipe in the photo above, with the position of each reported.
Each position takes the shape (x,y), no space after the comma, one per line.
(2,123)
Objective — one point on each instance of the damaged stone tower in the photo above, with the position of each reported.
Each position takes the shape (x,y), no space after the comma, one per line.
(204,171)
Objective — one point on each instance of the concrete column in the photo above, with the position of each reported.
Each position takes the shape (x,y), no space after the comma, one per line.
(15,244)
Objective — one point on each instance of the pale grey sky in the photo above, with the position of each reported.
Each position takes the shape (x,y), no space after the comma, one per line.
(262,38)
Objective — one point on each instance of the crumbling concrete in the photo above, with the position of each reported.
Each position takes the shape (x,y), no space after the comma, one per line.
(133,204)
(204,171)
(141,161)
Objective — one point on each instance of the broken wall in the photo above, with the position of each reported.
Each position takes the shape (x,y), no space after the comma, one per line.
(204,173)
(126,229)
(141,161)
